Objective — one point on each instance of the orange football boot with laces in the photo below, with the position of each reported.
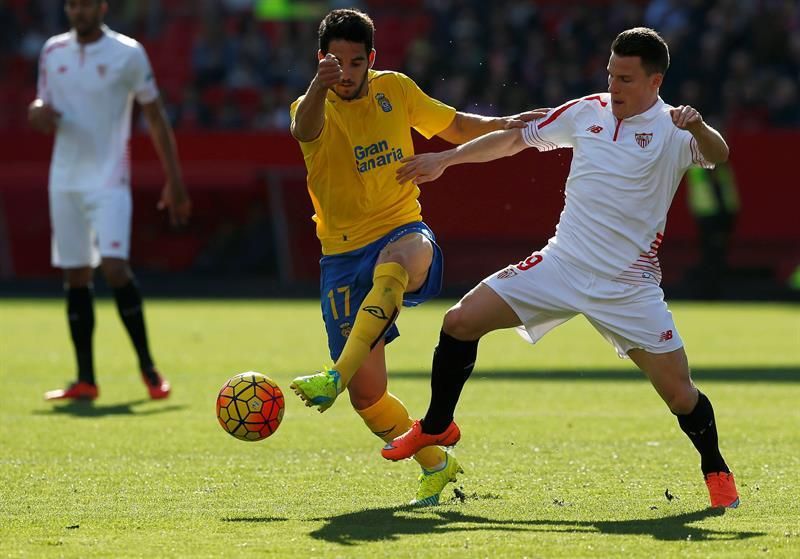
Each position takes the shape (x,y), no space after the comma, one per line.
(75,391)
(158,388)
(414,440)
(722,490)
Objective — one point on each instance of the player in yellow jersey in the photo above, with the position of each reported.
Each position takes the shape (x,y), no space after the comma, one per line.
(354,128)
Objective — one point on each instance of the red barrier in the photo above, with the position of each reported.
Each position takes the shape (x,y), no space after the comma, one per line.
(484,215)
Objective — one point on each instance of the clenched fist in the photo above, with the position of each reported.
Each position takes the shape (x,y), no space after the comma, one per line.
(686,117)
(329,72)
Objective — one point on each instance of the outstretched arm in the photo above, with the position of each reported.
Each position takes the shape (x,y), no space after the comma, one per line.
(710,142)
(427,167)
(467,126)
(174,197)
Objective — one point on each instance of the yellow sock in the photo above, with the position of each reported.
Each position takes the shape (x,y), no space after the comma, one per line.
(388,418)
(376,315)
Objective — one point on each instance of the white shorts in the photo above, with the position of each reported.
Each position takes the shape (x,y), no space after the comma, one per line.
(90,225)
(546,292)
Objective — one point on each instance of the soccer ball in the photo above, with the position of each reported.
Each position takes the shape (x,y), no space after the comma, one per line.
(250,406)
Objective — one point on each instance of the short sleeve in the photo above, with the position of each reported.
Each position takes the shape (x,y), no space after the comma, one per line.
(42,91)
(425,114)
(689,152)
(555,130)
(293,114)
(143,83)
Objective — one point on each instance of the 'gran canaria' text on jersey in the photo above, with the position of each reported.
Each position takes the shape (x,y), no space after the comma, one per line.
(376,155)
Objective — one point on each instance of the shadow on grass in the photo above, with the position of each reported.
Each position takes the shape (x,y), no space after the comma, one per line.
(90,409)
(703,374)
(380,524)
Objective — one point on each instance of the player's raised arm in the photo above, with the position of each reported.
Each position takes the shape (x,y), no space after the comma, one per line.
(310,116)
(710,142)
(174,197)
(467,126)
(428,167)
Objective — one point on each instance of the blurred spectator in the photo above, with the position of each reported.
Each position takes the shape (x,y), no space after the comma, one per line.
(252,56)
(737,59)
(193,113)
(230,116)
(9,28)
(270,114)
(784,104)
(32,42)
(213,54)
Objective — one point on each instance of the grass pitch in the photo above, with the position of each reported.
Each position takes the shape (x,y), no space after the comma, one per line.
(568,451)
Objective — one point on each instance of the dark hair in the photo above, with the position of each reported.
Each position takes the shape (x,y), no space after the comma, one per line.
(645,43)
(351,25)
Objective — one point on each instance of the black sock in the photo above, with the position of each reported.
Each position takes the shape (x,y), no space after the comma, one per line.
(701,428)
(129,305)
(80,314)
(453,361)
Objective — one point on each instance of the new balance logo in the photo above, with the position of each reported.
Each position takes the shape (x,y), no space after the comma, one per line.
(595,129)
(665,336)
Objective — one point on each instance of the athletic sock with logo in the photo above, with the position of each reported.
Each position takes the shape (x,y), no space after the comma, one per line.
(376,315)
(701,428)
(453,361)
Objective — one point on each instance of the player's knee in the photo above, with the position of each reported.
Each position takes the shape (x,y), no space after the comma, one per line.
(457,323)
(116,272)
(78,277)
(415,254)
(683,401)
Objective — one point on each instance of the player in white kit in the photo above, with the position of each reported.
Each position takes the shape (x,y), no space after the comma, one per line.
(88,79)
(630,150)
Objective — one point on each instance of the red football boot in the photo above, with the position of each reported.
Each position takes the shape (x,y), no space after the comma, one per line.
(414,440)
(75,391)
(722,490)
(159,388)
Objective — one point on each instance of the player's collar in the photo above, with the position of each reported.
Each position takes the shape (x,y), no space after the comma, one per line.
(91,47)
(649,113)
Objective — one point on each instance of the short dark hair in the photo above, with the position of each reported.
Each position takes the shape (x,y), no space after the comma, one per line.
(645,43)
(348,24)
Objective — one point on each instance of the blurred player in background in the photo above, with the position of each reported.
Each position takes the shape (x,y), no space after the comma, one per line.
(88,79)
(354,128)
(714,203)
(630,150)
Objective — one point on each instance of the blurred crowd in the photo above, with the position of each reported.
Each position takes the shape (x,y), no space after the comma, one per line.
(219,66)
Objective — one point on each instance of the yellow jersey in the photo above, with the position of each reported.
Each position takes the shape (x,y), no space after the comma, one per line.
(352,163)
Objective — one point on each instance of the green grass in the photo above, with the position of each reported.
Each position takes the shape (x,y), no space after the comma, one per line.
(568,451)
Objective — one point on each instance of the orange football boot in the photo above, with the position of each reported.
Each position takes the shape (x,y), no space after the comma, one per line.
(414,440)
(158,388)
(75,391)
(722,490)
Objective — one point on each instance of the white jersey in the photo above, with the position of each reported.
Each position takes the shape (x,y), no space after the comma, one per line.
(623,177)
(93,87)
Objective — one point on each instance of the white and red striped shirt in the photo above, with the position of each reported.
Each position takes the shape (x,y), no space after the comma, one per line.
(93,87)
(623,177)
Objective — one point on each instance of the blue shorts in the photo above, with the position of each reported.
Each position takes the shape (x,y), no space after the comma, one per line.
(346,278)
